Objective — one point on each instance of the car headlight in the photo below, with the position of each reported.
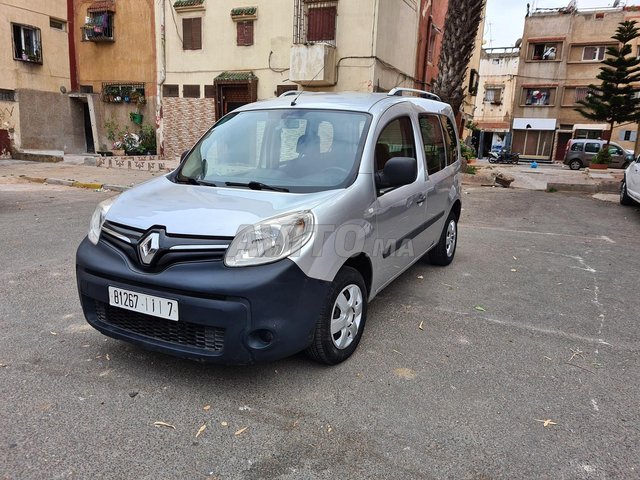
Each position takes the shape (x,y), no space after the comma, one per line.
(97,219)
(270,240)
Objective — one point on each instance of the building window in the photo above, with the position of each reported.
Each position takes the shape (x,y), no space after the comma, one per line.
(590,53)
(280,89)
(315,21)
(544,51)
(538,97)
(170,91)
(192,33)
(99,26)
(27,46)
(209,91)
(7,95)
(582,93)
(628,135)
(493,95)
(132,93)
(58,24)
(244,33)
(191,91)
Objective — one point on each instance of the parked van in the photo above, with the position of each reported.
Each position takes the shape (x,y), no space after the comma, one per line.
(580,152)
(277,229)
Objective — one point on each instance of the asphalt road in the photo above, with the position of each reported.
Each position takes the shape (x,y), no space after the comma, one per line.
(536,319)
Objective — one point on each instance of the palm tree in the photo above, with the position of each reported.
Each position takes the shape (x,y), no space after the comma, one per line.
(460,30)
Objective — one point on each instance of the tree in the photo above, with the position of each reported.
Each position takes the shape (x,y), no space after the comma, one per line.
(614,100)
(461,28)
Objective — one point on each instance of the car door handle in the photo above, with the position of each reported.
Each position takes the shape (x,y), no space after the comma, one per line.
(420,199)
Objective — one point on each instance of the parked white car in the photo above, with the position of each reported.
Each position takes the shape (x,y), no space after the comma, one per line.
(630,186)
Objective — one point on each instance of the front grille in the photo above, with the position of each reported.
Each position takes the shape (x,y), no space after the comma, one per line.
(181,333)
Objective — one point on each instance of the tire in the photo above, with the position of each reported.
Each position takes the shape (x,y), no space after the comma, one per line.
(516,159)
(347,292)
(442,254)
(625,199)
(493,160)
(575,164)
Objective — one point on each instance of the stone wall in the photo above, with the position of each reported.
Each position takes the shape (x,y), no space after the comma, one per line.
(184,122)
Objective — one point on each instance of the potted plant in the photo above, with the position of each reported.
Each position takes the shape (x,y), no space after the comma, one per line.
(136,117)
(601,160)
(115,134)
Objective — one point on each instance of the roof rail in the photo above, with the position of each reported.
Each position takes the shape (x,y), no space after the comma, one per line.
(397,92)
(288,93)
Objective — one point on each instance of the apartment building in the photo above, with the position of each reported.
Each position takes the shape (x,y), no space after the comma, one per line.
(496,88)
(114,66)
(215,56)
(560,57)
(34,112)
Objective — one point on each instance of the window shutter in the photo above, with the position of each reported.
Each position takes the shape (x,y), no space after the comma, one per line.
(321,24)
(496,96)
(197,33)
(634,135)
(192,33)
(244,33)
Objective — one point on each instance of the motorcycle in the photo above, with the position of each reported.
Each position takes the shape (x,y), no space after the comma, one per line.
(504,157)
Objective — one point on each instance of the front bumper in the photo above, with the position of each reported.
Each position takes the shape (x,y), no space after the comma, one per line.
(227,315)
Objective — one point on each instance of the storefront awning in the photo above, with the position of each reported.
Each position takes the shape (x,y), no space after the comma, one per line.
(235,77)
(534,123)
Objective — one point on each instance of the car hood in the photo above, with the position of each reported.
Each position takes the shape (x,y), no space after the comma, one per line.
(202,210)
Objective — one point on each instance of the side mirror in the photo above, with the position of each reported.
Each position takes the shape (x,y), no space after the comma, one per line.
(183,155)
(397,171)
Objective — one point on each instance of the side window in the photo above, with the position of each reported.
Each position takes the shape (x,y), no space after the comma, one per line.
(576,147)
(450,139)
(613,150)
(434,144)
(591,147)
(396,140)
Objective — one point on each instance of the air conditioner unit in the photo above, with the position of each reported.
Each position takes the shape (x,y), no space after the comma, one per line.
(313,64)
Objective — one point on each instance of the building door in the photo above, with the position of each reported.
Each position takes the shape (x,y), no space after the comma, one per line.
(233,91)
(563,139)
(88,135)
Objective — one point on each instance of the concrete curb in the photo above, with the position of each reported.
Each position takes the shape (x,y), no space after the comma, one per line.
(603,187)
(75,183)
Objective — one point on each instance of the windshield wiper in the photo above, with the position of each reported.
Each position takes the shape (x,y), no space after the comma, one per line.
(256,186)
(193,181)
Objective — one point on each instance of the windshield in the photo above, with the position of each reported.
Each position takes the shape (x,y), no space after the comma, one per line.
(294,149)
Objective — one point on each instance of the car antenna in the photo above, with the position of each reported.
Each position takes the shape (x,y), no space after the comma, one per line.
(293,102)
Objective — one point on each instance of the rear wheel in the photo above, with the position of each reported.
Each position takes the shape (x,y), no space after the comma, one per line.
(575,164)
(443,253)
(341,322)
(625,199)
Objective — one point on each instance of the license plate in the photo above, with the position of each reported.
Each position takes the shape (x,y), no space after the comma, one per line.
(139,302)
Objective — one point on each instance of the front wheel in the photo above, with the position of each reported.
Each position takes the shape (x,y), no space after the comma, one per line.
(625,199)
(493,160)
(443,253)
(341,322)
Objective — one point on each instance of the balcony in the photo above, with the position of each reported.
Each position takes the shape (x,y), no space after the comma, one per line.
(313,64)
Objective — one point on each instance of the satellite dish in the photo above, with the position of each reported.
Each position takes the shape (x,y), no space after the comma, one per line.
(518,42)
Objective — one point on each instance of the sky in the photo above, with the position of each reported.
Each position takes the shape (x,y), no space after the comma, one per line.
(505,18)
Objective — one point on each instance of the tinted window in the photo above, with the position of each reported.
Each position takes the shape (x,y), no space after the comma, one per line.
(613,150)
(450,139)
(396,140)
(434,143)
(591,147)
(576,147)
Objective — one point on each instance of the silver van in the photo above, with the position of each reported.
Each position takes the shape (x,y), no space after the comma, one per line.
(581,151)
(277,229)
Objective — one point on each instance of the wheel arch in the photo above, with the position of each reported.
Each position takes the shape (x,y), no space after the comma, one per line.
(456,208)
(362,263)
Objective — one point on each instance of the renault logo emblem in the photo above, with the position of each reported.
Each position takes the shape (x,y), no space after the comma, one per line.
(148,247)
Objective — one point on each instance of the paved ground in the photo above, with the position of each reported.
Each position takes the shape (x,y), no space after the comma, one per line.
(536,320)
